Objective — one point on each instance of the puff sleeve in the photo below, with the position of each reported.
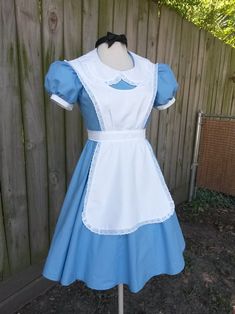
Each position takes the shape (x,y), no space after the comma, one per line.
(62,84)
(166,87)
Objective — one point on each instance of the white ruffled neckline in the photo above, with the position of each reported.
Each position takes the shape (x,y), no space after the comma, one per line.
(136,75)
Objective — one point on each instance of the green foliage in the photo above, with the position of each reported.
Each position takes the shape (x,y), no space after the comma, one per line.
(216,16)
(212,208)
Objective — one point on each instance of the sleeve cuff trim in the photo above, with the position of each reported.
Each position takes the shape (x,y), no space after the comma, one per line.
(168,104)
(61,102)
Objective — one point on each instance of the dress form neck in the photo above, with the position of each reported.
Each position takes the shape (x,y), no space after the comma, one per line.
(116,56)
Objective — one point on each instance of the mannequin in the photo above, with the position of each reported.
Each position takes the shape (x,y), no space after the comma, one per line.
(112,50)
(116,90)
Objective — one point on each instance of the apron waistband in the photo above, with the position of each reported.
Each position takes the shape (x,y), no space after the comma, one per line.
(112,135)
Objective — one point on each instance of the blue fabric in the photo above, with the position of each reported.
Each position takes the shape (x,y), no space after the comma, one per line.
(88,112)
(167,85)
(62,80)
(104,261)
(122,85)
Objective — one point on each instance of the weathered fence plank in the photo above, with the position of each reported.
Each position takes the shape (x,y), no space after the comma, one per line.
(153,25)
(131,24)
(169,123)
(105,17)
(151,54)
(161,53)
(52,22)
(31,84)
(165,120)
(178,191)
(142,28)
(217,105)
(90,30)
(184,77)
(119,17)
(229,98)
(12,168)
(3,251)
(72,50)
(206,72)
(213,102)
(222,79)
(191,112)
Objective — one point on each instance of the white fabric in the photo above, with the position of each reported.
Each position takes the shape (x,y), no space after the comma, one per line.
(116,135)
(125,188)
(167,105)
(61,102)
(116,108)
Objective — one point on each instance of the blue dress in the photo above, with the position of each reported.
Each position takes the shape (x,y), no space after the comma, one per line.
(104,261)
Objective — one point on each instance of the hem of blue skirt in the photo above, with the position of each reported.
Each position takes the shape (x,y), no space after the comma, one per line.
(110,286)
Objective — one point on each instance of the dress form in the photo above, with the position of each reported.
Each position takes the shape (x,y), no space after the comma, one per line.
(116,56)
(86,79)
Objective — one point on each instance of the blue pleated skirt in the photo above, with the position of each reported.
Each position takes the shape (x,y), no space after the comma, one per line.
(104,261)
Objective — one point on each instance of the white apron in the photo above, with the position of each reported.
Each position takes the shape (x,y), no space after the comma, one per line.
(126,188)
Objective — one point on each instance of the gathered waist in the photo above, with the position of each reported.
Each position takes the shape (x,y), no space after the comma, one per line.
(116,135)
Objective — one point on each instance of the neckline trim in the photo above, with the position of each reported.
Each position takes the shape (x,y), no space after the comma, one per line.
(137,75)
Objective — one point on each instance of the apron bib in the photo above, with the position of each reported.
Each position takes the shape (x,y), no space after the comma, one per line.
(126,188)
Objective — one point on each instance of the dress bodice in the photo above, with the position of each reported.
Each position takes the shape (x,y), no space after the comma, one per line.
(109,98)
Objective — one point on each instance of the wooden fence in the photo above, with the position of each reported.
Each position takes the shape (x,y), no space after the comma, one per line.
(41,142)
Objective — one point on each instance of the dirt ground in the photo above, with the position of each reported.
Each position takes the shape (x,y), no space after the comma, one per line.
(205,286)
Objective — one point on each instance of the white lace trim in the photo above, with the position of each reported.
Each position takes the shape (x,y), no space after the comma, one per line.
(61,102)
(165,106)
(124,78)
(134,228)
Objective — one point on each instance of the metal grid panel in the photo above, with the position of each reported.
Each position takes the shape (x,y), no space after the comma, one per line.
(216,163)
